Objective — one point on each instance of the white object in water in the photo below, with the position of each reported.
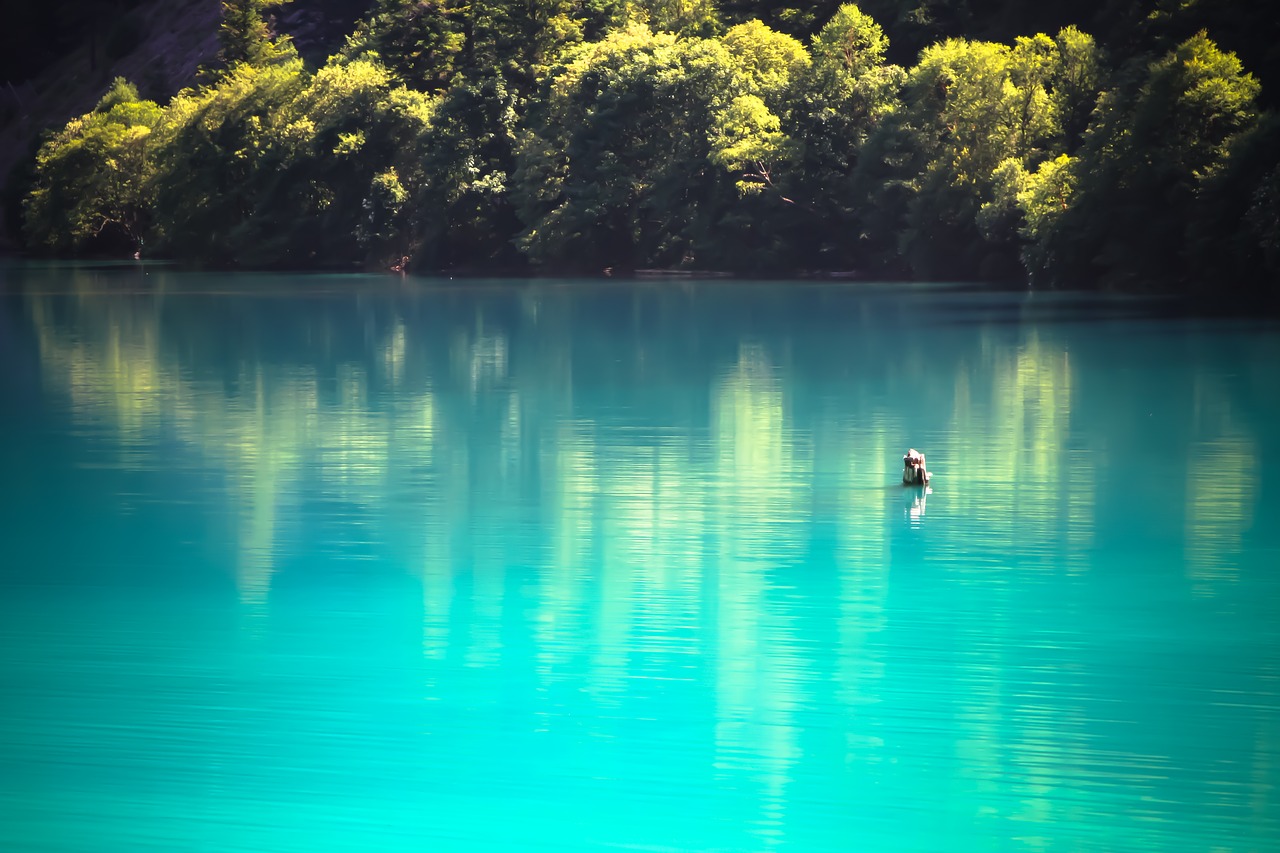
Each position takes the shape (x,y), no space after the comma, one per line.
(913,470)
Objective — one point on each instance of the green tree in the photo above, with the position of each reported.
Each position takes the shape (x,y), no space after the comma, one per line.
(615,168)
(214,144)
(1042,197)
(1233,230)
(1077,78)
(428,44)
(850,44)
(837,103)
(420,41)
(337,171)
(688,17)
(746,135)
(465,206)
(92,190)
(747,140)
(964,118)
(245,34)
(947,168)
(1155,141)
(771,60)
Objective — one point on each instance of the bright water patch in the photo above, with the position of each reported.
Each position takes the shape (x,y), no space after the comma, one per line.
(343,563)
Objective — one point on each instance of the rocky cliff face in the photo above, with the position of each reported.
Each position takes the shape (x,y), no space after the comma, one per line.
(159,46)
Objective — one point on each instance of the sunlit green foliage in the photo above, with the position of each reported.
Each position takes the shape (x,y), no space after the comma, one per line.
(214,147)
(427,44)
(851,42)
(420,42)
(632,155)
(615,162)
(94,177)
(771,60)
(971,107)
(589,134)
(746,134)
(746,139)
(966,115)
(838,101)
(343,164)
(1042,197)
(688,17)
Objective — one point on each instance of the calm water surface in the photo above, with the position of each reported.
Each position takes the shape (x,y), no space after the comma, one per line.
(346,563)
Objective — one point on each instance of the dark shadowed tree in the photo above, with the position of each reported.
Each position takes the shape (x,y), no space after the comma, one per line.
(245,33)
(1132,189)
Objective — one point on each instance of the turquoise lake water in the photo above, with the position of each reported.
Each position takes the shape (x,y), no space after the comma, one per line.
(339,563)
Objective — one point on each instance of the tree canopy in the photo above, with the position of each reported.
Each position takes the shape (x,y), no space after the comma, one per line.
(761,138)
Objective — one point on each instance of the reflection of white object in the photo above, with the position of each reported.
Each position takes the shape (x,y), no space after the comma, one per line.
(913,470)
(916,510)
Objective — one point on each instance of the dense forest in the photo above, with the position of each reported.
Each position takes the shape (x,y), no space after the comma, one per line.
(931,139)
